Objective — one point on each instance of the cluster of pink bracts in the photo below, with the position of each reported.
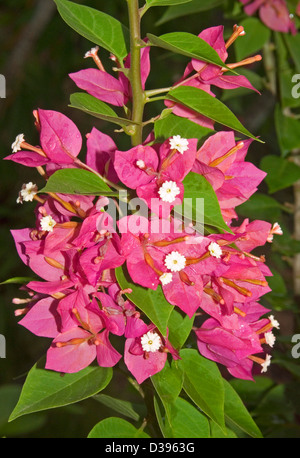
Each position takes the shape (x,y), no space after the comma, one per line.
(75,247)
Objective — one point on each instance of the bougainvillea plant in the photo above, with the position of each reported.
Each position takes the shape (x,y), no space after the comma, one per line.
(143,266)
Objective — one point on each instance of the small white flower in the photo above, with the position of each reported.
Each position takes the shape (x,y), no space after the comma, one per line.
(47,223)
(270,338)
(166,278)
(275,323)
(178,143)
(16,145)
(168,191)
(151,342)
(215,250)
(175,261)
(276,229)
(28,192)
(140,164)
(266,363)
(91,52)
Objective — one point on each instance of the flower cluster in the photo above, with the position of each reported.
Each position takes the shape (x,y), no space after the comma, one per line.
(76,246)
(273,13)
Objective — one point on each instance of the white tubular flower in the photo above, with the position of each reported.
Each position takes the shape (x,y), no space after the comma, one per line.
(175,261)
(266,363)
(140,164)
(166,278)
(270,338)
(92,52)
(47,223)
(168,191)
(276,230)
(16,145)
(28,192)
(151,342)
(215,250)
(274,323)
(178,143)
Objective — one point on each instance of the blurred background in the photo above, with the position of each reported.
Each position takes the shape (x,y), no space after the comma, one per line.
(38,52)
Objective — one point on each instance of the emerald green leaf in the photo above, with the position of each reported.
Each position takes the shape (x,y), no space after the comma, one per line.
(197,187)
(100,28)
(257,34)
(217,433)
(158,412)
(188,45)
(287,130)
(168,382)
(44,389)
(209,106)
(16,280)
(166,2)
(185,421)
(152,303)
(281,173)
(116,428)
(195,6)
(125,408)
(261,206)
(293,45)
(175,125)
(203,383)
(180,326)
(77,181)
(237,414)
(95,107)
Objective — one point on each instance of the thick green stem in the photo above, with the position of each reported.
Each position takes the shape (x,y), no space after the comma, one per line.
(138,98)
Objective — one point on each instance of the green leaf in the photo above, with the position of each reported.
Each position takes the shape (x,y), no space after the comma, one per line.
(293,45)
(166,2)
(175,125)
(203,383)
(100,28)
(44,389)
(207,105)
(257,34)
(95,107)
(16,280)
(288,132)
(116,428)
(77,181)
(281,173)
(236,413)
(185,421)
(188,45)
(195,6)
(180,326)
(125,408)
(217,433)
(152,303)
(197,187)
(261,206)
(168,382)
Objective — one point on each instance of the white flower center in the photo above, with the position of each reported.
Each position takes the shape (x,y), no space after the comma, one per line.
(47,223)
(178,143)
(270,338)
(28,191)
(151,342)
(175,261)
(215,250)
(92,52)
(166,278)
(266,363)
(16,145)
(140,164)
(168,191)
(274,323)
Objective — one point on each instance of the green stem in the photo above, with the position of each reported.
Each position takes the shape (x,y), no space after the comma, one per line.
(138,98)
